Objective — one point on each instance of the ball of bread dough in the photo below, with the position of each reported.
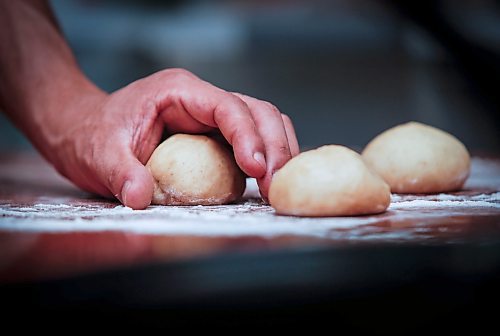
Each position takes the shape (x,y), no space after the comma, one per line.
(328,181)
(416,158)
(194,170)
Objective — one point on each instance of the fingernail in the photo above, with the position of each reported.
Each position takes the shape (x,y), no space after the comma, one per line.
(261,160)
(125,189)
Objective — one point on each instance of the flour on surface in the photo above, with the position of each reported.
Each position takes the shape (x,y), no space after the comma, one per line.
(251,216)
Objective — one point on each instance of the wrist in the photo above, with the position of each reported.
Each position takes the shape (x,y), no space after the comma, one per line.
(58,112)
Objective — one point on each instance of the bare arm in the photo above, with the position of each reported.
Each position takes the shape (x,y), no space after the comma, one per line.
(39,74)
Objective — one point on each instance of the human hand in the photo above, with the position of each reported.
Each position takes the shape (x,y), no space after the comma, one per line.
(101,142)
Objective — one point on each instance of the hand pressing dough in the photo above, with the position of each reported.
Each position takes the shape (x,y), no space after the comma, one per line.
(194,170)
(328,181)
(416,158)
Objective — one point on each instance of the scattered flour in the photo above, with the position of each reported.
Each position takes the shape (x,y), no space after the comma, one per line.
(251,217)
(445,201)
(248,218)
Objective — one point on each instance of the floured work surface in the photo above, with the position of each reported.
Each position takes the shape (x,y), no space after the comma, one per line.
(45,215)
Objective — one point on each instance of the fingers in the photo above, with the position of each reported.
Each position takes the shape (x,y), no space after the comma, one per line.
(263,139)
(126,178)
(235,122)
(275,130)
(198,106)
(291,136)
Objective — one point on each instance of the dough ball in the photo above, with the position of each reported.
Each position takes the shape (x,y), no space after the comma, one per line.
(416,158)
(328,181)
(194,170)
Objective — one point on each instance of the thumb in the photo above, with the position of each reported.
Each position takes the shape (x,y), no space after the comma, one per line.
(128,179)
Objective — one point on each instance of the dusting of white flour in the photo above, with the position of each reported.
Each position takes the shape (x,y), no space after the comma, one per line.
(250,217)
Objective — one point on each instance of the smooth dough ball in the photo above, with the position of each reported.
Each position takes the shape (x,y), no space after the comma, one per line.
(194,170)
(328,181)
(416,158)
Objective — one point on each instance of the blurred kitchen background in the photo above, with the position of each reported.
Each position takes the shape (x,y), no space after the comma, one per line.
(343,70)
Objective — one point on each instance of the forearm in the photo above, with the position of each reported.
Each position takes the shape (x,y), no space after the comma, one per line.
(39,74)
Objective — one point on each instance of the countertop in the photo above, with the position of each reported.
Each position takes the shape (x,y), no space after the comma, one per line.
(55,236)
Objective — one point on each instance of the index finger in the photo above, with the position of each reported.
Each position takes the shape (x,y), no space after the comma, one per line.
(217,108)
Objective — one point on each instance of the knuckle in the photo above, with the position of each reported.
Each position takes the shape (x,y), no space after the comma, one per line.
(286,118)
(283,149)
(237,94)
(230,104)
(235,100)
(221,112)
(271,107)
(177,74)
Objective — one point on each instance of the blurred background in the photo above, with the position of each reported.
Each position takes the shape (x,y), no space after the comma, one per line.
(343,70)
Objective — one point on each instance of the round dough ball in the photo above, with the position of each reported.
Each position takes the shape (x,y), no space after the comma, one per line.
(328,181)
(416,158)
(194,170)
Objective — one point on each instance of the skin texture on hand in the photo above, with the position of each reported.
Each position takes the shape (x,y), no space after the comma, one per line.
(110,138)
(101,141)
